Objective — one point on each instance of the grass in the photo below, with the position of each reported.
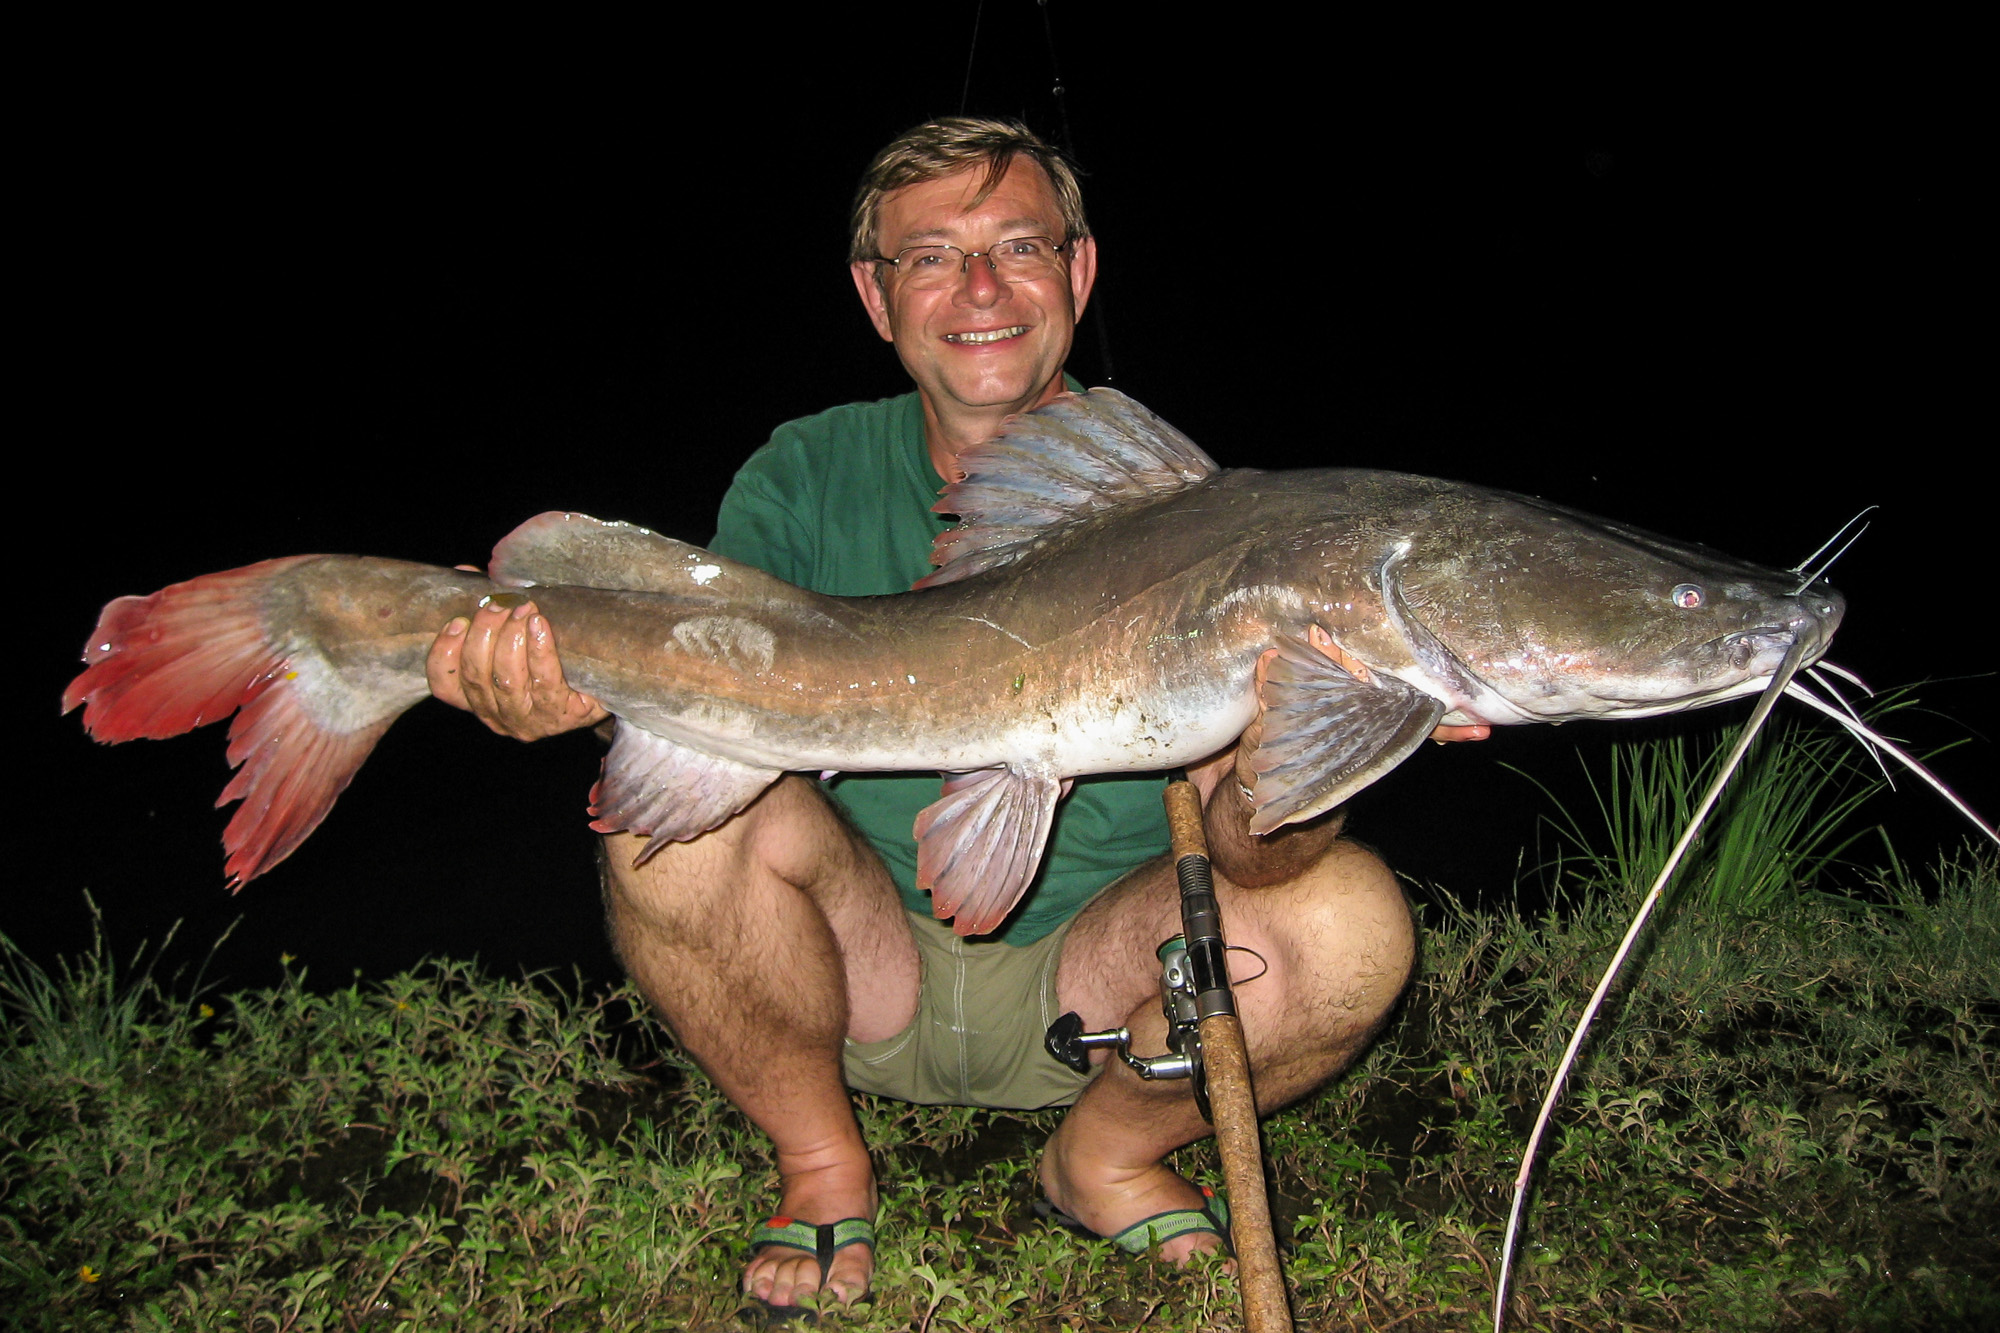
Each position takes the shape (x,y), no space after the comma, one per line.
(1789,1123)
(1784,825)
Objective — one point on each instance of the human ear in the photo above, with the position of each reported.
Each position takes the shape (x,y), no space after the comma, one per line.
(868,285)
(1082,271)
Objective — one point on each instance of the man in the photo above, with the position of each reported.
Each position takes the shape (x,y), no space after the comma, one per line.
(788,950)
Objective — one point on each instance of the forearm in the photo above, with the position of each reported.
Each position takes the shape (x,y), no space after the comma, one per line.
(1253,862)
(1240,856)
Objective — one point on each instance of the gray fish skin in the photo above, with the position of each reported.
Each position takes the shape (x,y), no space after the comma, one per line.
(1117,630)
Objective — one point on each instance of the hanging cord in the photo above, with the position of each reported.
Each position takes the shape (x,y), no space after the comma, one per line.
(971,51)
(1065,139)
(1100,325)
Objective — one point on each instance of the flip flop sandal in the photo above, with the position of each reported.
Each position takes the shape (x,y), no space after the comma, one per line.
(821,1240)
(1211,1218)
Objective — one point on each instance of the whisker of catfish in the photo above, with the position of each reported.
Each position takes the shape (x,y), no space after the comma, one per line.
(1873,737)
(1781,681)
(1848,708)
(1832,691)
(1807,580)
(1841,532)
(1843,673)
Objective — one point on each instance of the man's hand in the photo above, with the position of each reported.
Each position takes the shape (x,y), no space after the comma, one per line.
(501,665)
(1225,781)
(1354,667)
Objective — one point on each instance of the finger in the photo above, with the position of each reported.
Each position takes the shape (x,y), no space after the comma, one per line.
(513,693)
(441,666)
(545,673)
(1264,660)
(1255,731)
(1349,663)
(562,705)
(475,666)
(1253,735)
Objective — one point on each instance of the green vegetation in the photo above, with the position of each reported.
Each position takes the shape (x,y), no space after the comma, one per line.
(1789,1122)
(1788,1118)
(1783,825)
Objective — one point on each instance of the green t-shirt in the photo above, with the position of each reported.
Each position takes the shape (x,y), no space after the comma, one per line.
(841,503)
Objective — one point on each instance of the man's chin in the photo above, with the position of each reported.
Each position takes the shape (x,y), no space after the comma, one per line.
(1003,396)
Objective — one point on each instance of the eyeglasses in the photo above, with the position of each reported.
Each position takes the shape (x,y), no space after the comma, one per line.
(1023,259)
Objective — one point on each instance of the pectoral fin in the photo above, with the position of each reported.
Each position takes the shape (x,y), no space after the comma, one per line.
(673,792)
(979,844)
(1328,734)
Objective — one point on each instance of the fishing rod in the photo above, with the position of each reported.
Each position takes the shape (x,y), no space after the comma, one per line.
(1205,1045)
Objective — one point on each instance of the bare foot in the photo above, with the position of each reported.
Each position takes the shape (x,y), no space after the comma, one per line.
(1108,1198)
(836,1186)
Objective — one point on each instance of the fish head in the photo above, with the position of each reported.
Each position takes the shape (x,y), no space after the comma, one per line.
(1521,611)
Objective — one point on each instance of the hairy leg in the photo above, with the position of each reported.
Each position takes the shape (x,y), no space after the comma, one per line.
(1339,943)
(762,944)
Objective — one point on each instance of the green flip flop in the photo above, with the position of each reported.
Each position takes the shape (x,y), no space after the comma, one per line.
(822,1240)
(1212,1218)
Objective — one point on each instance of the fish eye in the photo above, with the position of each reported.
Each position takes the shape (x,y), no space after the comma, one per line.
(1688,596)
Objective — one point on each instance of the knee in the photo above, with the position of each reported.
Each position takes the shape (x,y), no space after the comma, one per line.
(1346,935)
(678,887)
(780,846)
(644,895)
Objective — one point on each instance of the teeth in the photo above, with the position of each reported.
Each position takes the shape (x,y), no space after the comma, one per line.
(987,335)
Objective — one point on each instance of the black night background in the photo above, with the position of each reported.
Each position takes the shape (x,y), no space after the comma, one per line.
(394,301)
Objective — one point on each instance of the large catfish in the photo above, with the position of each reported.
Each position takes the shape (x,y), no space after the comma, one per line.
(1101,608)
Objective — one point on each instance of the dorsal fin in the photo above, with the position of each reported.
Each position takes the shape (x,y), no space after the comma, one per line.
(1076,456)
(585,552)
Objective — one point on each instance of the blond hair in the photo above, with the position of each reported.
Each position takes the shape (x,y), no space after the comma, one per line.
(948,145)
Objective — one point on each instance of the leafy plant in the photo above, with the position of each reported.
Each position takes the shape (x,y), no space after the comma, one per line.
(88,1014)
(1784,825)
(1792,1123)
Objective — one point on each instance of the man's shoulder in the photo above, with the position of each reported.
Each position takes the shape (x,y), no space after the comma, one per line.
(839,502)
(866,442)
(884,421)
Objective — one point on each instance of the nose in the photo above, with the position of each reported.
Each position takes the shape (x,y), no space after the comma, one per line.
(1822,605)
(980,279)
(1817,615)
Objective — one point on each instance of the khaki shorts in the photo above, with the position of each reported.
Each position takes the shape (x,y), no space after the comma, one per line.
(982,1010)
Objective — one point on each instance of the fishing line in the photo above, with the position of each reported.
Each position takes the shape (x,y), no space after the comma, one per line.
(1100,325)
(965,92)
(1781,682)
(1057,91)
(1093,315)
(1244,948)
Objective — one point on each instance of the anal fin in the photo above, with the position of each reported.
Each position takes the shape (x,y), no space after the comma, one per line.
(978,845)
(673,792)
(1328,734)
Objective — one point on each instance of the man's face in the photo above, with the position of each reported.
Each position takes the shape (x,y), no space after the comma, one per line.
(979,342)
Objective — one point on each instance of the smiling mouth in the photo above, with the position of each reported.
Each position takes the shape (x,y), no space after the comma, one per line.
(987,335)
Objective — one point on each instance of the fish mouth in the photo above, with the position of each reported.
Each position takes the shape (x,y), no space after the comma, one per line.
(980,337)
(1811,621)
(1744,647)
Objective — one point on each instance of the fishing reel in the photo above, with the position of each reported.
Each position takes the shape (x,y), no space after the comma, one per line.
(1068,1042)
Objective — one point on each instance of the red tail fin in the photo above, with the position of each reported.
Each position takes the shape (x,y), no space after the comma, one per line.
(198,651)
